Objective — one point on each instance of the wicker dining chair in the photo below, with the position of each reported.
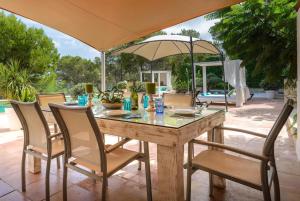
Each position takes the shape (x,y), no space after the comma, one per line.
(38,140)
(45,99)
(178,100)
(85,149)
(257,171)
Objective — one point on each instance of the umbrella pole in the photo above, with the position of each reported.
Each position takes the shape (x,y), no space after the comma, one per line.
(151,71)
(224,80)
(193,70)
(103,76)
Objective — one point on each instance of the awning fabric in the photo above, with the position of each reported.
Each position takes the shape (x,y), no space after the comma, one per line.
(160,46)
(104,24)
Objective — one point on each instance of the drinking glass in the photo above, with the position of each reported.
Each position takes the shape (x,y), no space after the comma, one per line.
(146,101)
(82,100)
(127,104)
(159,105)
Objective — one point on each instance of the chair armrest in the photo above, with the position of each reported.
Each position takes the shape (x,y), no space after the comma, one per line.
(117,145)
(54,135)
(242,131)
(233,149)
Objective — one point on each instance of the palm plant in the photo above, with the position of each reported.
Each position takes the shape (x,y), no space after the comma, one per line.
(15,82)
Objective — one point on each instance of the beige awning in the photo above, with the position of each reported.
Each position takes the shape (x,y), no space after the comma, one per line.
(162,46)
(104,24)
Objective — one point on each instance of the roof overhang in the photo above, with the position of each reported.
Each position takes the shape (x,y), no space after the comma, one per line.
(104,24)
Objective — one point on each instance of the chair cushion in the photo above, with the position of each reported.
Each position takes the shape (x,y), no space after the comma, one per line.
(115,160)
(233,166)
(57,147)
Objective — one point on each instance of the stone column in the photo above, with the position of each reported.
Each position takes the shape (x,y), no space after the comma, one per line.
(141,76)
(204,79)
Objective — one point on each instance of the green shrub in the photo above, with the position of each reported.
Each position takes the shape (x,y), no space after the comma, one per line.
(213,81)
(266,85)
(15,82)
(181,86)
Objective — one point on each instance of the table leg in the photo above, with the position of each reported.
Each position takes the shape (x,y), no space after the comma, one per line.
(34,164)
(218,137)
(170,173)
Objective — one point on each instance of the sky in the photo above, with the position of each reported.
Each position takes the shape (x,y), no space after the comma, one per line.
(68,45)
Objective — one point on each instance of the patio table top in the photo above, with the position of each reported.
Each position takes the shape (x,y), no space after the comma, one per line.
(166,119)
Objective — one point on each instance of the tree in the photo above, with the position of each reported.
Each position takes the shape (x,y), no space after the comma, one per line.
(73,70)
(30,46)
(189,32)
(262,34)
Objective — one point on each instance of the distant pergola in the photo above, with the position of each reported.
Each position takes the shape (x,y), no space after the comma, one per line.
(204,76)
(236,78)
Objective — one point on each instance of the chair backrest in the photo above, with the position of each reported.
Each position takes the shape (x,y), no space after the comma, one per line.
(178,100)
(82,137)
(36,130)
(45,99)
(278,125)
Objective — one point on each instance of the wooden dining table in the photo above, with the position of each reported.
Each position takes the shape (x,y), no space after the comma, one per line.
(170,132)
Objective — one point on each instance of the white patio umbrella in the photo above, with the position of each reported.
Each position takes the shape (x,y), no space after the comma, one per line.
(160,46)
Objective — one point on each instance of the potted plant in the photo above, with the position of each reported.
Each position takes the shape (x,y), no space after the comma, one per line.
(111,99)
